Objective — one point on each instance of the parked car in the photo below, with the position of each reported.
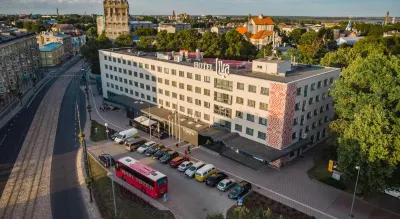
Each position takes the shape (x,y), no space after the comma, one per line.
(168,156)
(192,169)
(240,190)
(214,179)
(142,149)
(153,149)
(133,143)
(178,160)
(107,160)
(160,153)
(226,184)
(185,165)
(393,192)
(113,136)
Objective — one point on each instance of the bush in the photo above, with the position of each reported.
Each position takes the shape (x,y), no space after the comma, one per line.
(215,216)
(333,182)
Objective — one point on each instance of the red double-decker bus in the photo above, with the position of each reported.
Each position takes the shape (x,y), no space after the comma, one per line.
(144,178)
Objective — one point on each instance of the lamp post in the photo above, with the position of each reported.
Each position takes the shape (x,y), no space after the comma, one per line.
(89,109)
(355,190)
(112,184)
(106,125)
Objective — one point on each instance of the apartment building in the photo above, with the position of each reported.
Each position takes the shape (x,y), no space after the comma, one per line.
(19,64)
(134,25)
(272,110)
(51,54)
(52,37)
(173,27)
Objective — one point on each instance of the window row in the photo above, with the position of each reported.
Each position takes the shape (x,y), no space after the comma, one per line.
(304,91)
(129,72)
(250,131)
(182,109)
(250,117)
(131,92)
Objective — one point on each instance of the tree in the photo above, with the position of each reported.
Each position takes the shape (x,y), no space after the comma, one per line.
(339,59)
(265,51)
(151,19)
(92,32)
(187,39)
(90,51)
(367,104)
(310,47)
(145,31)
(146,43)
(295,35)
(124,40)
(210,44)
(325,34)
(237,47)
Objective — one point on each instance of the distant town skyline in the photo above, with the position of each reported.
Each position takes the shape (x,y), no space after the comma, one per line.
(327,8)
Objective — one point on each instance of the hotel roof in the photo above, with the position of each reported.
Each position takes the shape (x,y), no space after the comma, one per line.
(50,47)
(298,72)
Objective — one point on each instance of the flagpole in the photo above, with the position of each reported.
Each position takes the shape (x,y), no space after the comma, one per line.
(179,122)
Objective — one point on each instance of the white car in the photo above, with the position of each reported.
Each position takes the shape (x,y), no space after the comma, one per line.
(185,165)
(393,192)
(226,184)
(145,146)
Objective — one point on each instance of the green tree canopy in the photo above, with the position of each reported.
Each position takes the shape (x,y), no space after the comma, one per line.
(90,51)
(146,43)
(124,40)
(188,39)
(265,51)
(367,104)
(210,44)
(295,35)
(145,31)
(237,47)
(340,58)
(310,47)
(92,32)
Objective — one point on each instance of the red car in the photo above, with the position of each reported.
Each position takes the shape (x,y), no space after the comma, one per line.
(177,161)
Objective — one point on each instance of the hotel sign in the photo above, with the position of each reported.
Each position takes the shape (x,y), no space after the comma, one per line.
(220,68)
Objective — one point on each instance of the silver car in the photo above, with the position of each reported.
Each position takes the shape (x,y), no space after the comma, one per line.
(226,184)
(185,165)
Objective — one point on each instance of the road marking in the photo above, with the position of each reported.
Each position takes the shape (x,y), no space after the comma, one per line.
(3,139)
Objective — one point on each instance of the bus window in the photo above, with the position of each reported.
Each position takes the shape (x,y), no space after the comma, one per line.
(161,181)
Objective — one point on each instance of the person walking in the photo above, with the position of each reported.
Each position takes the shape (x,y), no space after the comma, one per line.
(186,153)
(188,149)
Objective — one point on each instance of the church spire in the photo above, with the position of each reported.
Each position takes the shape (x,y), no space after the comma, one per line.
(349,25)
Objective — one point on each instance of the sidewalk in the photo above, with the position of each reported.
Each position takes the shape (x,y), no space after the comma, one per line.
(290,186)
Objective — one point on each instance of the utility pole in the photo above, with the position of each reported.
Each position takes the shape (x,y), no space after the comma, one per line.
(85,157)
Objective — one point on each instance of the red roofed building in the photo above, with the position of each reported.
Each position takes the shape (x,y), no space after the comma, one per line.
(259,31)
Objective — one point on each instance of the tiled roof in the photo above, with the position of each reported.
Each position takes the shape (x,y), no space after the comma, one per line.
(261,34)
(241,30)
(266,20)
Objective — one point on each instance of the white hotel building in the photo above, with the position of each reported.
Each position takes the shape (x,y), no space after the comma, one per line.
(272,111)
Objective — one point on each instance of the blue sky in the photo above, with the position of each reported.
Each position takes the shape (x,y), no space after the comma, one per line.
(346,8)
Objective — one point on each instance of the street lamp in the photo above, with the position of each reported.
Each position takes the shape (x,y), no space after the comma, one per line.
(112,184)
(106,125)
(355,190)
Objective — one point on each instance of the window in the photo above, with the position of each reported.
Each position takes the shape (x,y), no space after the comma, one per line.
(197,90)
(167,104)
(129,62)
(264,106)
(238,128)
(153,68)
(264,91)
(159,69)
(120,70)
(327,106)
(239,100)
(317,98)
(173,72)
(114,59)
(160,101)
(309,115)
(322,109)
(125,80)
(326,82)
(154,100)
(189,87)
(181,97)
(153,78)
(250,117)
(119,60)
(294,135)
(295,121)
(326,119)
(206,117)
(197,102)
(252,88)
(148,97)
(136,84)
(106,66)
(207,79)
(262,121)
(146,66)
(142,85)
(197,77)
(298,91)
(249,131)
(181,85)
(174,95)
(141,75)
(136,93)
(310,101)
(173,83)
(331,80)
(166,70)
(297,106)
(227,112)
(312,86)
(166,81)
(302,120)
(167,93)
(189,99)
(307,129)
(223,84)
(153,89)
(223,98)
(324,95)
(105,57)
(207,92)
(124,71)
(305,90)
(108,84)
(147,77)
(120,79)
(131,92)
(112,86)
(240,86)
(106,75)
(189,111)
(206,104)
(319,84)
(160,91)
(239,114)
(182,109)
(134,64)
(130,72)
(135,74)
(181,74)
(261,135)
(251,103)
(189,75)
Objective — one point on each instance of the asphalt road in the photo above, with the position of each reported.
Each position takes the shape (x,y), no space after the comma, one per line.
(12,134)
(66,197)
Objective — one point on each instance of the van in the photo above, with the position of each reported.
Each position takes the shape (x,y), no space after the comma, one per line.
(192,169)
(132,144)
(204,172)
(122,136)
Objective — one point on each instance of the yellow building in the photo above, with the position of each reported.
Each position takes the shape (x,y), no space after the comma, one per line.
(51,54)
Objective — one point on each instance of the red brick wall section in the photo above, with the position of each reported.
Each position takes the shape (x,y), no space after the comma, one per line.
(280,117)
(280,162)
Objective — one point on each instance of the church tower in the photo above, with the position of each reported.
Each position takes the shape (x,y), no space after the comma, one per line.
(116,17)
(348,28)
(387,18)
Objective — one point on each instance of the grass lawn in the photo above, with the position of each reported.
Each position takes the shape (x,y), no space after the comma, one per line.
(257,205)
(128,205)
(101,132)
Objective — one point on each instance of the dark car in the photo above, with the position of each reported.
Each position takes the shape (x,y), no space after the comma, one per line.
(177,161)
(153,149)
(107,160)
(113,136)
(214,179)
(169,156)
(160,153)
(240,190)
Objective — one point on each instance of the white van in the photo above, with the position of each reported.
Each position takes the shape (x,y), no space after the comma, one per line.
(122,136)
(192,169)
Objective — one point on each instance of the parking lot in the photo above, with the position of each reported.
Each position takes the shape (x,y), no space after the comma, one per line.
(195,199)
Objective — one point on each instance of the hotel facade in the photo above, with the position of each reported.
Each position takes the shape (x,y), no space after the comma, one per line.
(271,110)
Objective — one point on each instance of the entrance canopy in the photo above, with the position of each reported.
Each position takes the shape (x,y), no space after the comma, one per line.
(130,102)
(148,122)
